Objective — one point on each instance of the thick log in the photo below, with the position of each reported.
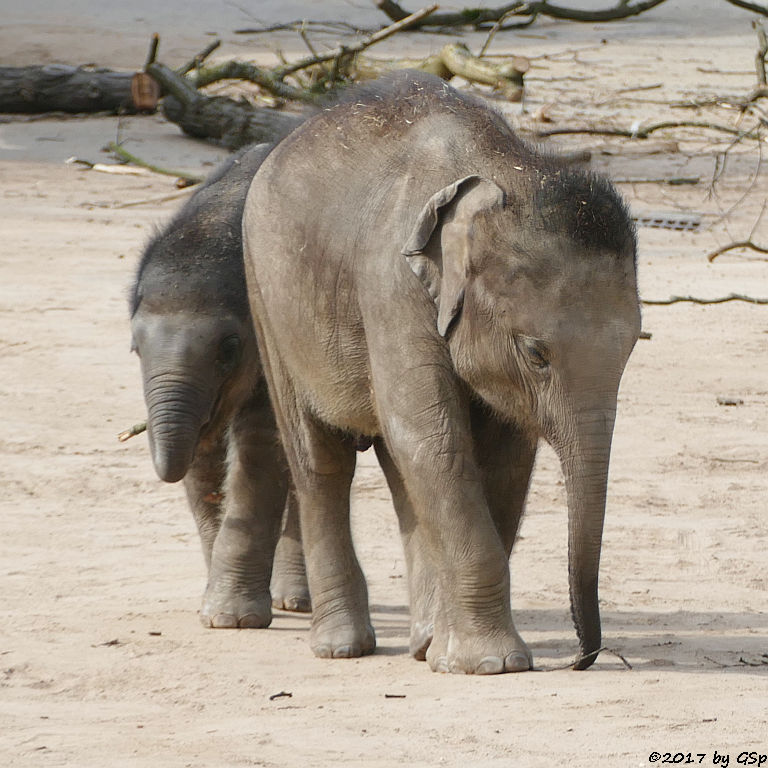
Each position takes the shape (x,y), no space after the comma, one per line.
(232,123)
(61,88)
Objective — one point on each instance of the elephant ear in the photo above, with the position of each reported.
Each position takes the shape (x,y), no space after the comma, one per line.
(444,268)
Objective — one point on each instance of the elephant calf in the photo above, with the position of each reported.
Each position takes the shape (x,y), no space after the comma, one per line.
(419,275)
(209,417)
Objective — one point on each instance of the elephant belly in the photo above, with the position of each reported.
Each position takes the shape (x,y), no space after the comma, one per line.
(329,370)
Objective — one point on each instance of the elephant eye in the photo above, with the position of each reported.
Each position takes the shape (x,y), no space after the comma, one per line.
(229,353)
(536,353)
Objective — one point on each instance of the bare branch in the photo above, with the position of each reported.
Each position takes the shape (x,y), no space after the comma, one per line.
(747,6)
(405,23)
(695,300)
(644,133)
(483,16)
(199,59)
(762,49)
(733,246)
(126,156)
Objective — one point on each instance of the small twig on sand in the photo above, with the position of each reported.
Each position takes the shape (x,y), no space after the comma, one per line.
(281,695)
(695,300)
(144,201)
(733,246)
(587,657)
(136,429)
(128,157)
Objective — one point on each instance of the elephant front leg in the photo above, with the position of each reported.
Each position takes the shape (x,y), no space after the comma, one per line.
(289,588)
(255,492)
(432,446)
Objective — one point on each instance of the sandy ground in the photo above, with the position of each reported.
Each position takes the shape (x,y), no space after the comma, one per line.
(102,659)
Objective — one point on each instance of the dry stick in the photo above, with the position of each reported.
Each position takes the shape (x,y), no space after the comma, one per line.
(592,655)
(136,429)
(695,300)
(762,49)
(199,59)
(733,246)
(747,6)
(477,16)
(318,26)
(644,133)
(128,157)
(497,26)
(185,192)
(409,21)
(152,54)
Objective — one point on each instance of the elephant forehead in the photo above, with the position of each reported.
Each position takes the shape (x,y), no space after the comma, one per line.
(563,299)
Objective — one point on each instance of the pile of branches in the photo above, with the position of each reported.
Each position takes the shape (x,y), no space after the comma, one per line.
(308,82)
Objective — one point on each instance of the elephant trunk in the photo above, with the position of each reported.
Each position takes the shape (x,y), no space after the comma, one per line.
(176,413)
(585,465)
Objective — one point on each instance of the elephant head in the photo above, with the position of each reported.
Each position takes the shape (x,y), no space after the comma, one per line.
(534,281)
(195,368)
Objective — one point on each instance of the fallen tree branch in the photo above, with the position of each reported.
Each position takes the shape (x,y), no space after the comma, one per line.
(188,178)
(295,26)
(747,6)
(644,133)
(733,246)
(762,49)
(478,17)
(695,300)
(233,123)
(506,76)
(62,88)
(409,21)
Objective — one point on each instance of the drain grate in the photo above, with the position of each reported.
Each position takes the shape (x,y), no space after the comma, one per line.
(679,222)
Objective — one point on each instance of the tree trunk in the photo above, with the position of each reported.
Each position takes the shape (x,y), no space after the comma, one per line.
(61,88)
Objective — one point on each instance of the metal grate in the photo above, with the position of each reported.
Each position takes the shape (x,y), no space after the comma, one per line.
(679,222)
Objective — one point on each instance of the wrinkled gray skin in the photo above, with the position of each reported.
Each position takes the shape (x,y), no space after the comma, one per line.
(455,295)
(209,417)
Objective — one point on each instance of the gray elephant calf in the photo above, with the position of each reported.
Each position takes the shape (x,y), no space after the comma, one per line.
(455,295)
(209,417)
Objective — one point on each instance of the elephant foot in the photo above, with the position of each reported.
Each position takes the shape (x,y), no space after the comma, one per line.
(421,637)
(345,641)
(290,593)
(488,655)
(293,603)
(233,610)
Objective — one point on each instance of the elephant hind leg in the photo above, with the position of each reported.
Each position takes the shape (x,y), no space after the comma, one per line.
(505,455)
(341,625)
(422,584)
(322,463)
(289,588)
